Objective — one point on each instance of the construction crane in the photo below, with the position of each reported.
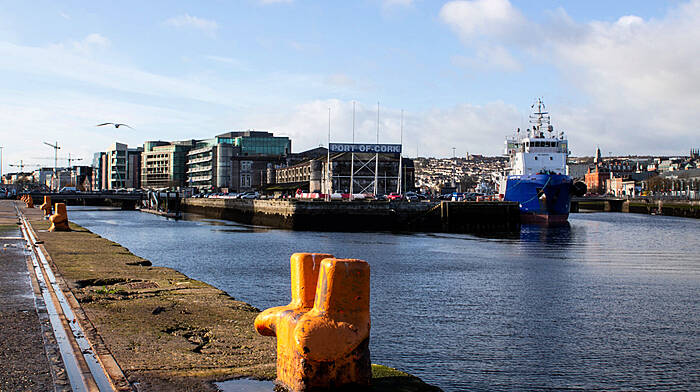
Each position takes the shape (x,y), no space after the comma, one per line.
(68,158)
(21,165)
(72,159)
(55,156)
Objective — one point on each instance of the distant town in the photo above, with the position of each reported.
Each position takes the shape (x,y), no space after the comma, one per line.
(259,161)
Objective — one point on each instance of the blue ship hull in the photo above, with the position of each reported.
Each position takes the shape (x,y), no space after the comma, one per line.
(543,198)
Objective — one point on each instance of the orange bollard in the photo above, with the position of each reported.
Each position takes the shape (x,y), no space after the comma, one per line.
(327,345)
(59,220)
(46,207)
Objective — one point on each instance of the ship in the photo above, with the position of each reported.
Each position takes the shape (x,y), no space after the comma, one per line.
(537,178)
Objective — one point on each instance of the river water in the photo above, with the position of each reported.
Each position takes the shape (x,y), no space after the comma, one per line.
(611,302)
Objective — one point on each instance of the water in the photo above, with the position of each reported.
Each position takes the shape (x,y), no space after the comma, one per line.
(610,302)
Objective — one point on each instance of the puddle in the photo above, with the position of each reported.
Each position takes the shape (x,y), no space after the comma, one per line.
(245,385)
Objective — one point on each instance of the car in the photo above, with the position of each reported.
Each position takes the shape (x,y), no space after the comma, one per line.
(411,196)
(395,196)
(250,195)
(68,189)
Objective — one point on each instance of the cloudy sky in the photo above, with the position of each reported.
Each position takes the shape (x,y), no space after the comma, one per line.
(624,75)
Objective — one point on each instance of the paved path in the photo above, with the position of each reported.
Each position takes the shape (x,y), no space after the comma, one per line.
(30,360)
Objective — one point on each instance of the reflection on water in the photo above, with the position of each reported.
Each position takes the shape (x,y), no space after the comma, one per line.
(245,385)
(608,302)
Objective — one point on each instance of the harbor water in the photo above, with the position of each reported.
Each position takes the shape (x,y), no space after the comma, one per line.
(610,302)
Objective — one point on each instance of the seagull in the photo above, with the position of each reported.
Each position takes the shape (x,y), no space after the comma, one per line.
(116,125)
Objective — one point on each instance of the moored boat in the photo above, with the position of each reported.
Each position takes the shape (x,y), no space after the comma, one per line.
(538,175)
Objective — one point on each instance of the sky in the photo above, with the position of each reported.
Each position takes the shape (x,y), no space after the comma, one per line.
(621,75)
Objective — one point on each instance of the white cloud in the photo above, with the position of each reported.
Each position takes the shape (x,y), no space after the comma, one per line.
(28,121)
(341,80)
(477,18)
(489,58)
(187,21)
(59,62)
(468,128)
(642,77)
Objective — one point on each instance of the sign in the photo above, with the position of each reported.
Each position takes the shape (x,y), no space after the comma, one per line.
(365,148)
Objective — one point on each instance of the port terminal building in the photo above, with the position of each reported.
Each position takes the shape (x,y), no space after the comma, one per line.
(317,171)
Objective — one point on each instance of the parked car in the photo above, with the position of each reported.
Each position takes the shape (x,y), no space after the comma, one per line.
(250,195)
(395,196)
(411,196)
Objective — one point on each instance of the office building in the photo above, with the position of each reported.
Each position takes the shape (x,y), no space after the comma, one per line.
(122,166)
(164,164)
(234,161)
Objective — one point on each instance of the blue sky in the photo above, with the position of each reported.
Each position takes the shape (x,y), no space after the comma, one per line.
(623,75)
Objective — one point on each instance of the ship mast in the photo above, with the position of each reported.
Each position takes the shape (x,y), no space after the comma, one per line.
(539,119)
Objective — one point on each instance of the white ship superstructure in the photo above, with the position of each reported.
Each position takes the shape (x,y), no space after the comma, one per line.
(538,149)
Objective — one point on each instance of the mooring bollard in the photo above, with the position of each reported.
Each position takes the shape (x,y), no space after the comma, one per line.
(323,334)
(59,220)
(46,207)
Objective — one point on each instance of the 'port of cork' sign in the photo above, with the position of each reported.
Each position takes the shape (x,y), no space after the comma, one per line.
(365,148)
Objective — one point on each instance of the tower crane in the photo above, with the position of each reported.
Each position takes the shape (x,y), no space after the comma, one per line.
(55,156)
(21,165)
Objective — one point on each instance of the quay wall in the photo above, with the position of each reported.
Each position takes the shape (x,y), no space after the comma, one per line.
(683,209)
(362,215)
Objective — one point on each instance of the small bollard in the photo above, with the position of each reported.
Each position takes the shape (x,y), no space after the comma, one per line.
(323,334)
(28,199)
(46,207)
(59,220)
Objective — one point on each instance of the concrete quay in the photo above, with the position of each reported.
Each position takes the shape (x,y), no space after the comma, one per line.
(454,217)
(678,208)
(158,328)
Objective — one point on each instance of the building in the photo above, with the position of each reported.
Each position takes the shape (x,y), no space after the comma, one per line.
(309,175)
(98,171)
(234,161)
(621,187)
(249,172)
(595,179)
(164,164)
(122,167)
(82,177)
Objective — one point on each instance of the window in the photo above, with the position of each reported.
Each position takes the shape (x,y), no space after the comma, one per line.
(246,165)
(245,180)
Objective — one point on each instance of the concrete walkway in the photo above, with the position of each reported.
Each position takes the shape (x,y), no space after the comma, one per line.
(28,353)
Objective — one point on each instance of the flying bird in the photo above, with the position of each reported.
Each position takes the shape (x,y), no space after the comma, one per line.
(116,125)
